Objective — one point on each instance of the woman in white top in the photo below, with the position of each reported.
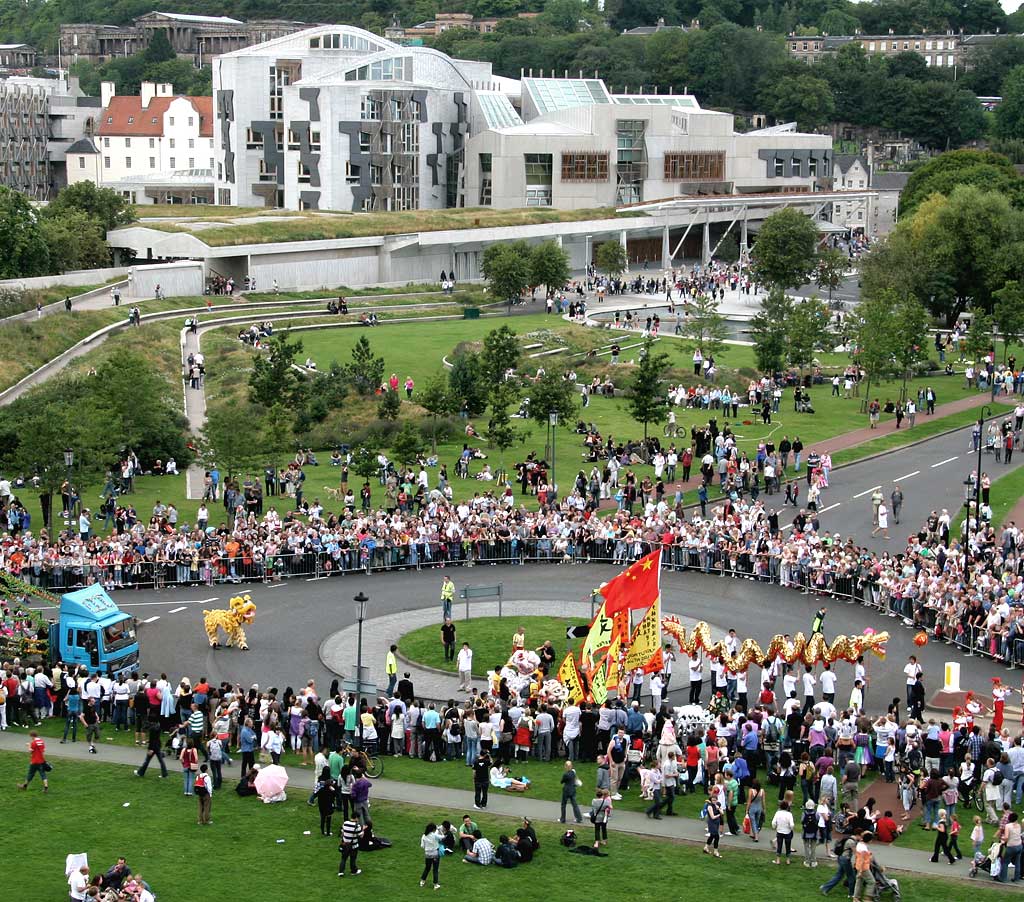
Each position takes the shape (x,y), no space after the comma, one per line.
(883,521)
(430,842)
(782,823)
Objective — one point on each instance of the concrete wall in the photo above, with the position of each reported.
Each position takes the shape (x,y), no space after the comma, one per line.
(309,269)
(78,277)
(181,279)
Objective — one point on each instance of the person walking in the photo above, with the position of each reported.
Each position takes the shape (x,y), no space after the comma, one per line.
(448,635)
(430,842)
(713,826)
(481,779)
(864,886)
(844,866)
(447,597)
(656,781)
(942,839)
(465,667)
(36,762)
(883,521)
(189,759)
(782,824)
(204,793)
(896,498)
(600,812)
(154,749)
(876,500)
(570,782)
(349,847)
(391,669)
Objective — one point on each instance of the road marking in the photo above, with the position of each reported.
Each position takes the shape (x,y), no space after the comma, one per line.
(946,461)
(138,604)
(830,507)
(867,491)
(279,585)
(175,610)
(151,619)
(901,478)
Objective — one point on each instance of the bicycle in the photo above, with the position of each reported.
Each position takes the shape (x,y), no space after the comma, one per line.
(974,797)
(368,762)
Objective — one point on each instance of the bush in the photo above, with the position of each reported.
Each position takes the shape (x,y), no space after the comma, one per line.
(447,428)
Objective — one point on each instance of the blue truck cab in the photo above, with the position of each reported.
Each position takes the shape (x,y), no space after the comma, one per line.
(94,632)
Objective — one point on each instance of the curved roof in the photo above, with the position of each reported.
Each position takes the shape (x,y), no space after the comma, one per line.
(423,66)
(300,40)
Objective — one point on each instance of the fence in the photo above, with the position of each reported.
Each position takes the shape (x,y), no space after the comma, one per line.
(851,586)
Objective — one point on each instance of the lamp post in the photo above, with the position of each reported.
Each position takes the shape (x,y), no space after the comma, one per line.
(69,462)
(553,422)
(986,410)
(360,601)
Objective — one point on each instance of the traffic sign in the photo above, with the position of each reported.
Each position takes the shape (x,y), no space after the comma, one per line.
(576,632)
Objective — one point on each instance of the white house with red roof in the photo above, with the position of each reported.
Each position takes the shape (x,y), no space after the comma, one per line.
(143,142)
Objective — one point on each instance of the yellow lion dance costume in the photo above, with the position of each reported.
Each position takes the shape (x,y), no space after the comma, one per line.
(242,610)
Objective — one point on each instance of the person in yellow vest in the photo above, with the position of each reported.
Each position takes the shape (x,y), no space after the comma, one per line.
(391,669)
(447,596)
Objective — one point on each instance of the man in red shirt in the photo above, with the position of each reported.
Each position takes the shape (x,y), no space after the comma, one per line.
(886,829)
(36,761)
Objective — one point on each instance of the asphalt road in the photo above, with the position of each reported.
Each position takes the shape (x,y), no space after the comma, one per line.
(931,476)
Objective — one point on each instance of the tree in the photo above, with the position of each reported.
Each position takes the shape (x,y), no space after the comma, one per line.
(646,398)
(871,326)
(978,340)
(768,327)
(940,115)
(1010,112)
(500,354)
(909,335)
(941,174)
(501,434)
(506,267)
(549,265)
(159,48)
(108,207)
(1009,313)
(366,371)
(407,444)
(74,240)
(552,394)
(802,98)
(227,439)
(23,249)
(436,400)
(364,463)
(274,378)
(830,270)
(610,257)
(466,384)
(806,328)
(785,251)
(705,328)
(389,406)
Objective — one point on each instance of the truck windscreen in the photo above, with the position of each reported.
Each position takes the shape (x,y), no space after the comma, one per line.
(119,635)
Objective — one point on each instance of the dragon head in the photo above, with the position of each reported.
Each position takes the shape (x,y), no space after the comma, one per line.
(243,607)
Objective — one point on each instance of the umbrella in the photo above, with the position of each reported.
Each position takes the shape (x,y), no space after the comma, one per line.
(271,781)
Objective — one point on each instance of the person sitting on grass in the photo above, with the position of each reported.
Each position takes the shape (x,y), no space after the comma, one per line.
(886,828)
(506,855)
(482,852)
(501,780)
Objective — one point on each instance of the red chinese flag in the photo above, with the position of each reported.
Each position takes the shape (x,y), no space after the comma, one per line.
(637,588)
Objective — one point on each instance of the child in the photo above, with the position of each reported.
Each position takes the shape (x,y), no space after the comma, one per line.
(977,836)
(907,793)
(954,833)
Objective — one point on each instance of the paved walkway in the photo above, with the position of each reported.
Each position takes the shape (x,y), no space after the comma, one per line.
(338,652)
(501,804)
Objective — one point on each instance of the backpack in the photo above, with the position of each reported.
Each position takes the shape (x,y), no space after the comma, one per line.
(201,789)
(618,750)
(568,839)
(772,734)
(810,822)
(997,778)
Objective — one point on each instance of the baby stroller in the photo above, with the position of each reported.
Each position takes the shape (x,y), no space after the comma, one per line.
(884,883)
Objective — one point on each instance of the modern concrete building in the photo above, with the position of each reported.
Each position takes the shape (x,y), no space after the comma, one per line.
(193,37)
(336,118)
(949,50)
(156,147)
(40,118)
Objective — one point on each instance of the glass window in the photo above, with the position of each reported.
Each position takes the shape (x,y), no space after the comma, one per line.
(106,162)
(798,167)
(369,109)
(376,175)
(538,179)
(364,142)
(152,162)
(351,173)
(172,162)
(81,162)
(780,167)
(410,137)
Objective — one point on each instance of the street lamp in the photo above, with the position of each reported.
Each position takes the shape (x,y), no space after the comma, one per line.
(69,462)
(553,421)
(977,478)
(360,601)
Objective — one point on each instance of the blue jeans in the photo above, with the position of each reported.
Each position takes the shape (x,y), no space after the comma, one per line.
(1018,788)
(1012,855)
(392,682)
(71,723)
(844,872)
(472,749)
(796,460)
(931,812)
(190,779)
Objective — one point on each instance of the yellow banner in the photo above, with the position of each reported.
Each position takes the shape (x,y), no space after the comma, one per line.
(611,664)
(646,638)
(599,637)
(569,677)
(598,684)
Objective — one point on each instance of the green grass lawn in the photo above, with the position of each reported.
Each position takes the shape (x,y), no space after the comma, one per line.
(489,637)
(251,844)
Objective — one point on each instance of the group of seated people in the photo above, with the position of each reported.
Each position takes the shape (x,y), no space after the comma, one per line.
(368,319)
(339,306)
(117,884)
(882,825)
(255,334)
(519,848)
